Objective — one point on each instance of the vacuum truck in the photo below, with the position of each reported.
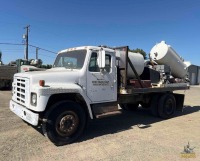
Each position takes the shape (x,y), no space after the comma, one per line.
(91,82)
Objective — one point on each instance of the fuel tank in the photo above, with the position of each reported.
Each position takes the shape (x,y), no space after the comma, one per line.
(137,60)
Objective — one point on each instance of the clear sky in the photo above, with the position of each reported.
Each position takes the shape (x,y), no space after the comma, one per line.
(60,24)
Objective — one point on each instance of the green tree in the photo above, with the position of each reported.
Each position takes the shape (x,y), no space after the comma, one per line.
(139,51)
(0,55)
(47,66)
(1,62)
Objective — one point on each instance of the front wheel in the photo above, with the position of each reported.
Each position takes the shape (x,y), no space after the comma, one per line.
(65,122)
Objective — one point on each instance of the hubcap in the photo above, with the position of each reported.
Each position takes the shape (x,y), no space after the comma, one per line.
(67,123)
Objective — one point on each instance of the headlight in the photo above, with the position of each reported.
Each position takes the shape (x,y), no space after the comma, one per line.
(34,99)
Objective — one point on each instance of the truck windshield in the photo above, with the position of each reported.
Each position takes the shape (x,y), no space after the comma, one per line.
(71,59)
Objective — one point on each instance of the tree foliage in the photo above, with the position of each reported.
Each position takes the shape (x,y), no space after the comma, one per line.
(139,51)
(1,63)
(0,55)
(47,66)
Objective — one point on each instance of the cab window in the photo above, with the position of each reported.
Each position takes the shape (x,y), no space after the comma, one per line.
(93,66)
(108,63)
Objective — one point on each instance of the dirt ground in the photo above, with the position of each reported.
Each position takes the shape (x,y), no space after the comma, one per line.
(126,136)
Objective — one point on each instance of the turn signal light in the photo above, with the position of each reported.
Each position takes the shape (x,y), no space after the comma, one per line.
(42,83)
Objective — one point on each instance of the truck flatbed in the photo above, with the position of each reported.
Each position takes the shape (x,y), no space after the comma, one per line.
(165,88)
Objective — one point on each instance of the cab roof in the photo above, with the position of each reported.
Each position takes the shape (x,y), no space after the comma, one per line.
(87,48)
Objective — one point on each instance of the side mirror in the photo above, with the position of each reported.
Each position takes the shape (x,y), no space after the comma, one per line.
(102,59)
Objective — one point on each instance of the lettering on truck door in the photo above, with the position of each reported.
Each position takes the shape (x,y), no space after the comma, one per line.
(102,85)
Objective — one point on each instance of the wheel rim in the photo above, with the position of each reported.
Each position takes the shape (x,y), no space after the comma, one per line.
(67,123)
(169,106)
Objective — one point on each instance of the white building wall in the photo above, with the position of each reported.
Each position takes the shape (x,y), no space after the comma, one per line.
(198,80)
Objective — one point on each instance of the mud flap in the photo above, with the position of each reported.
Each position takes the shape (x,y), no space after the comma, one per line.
(179,101)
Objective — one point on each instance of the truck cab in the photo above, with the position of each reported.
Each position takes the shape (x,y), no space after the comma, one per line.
(80,77)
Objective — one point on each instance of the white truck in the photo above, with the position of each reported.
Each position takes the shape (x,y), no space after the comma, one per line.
(89,82)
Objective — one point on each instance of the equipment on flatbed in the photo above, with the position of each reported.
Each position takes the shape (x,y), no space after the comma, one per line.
(165,55)
(90,82)
(136,58)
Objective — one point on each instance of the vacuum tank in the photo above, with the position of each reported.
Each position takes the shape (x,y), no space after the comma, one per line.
(137,60)
(164,54)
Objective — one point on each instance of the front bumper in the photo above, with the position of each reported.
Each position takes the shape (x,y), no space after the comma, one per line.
(25,114)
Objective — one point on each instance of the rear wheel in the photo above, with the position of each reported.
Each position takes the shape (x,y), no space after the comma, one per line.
(146,105)
(129,106)
(154,105)
(167,106)
(65,122)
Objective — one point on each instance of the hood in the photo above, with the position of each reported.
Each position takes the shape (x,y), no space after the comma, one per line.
(52,76)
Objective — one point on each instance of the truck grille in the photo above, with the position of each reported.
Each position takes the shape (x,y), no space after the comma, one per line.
(21,91)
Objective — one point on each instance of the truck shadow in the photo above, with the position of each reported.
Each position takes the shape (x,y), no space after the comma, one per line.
(127,120)
(6,89)
(123,121)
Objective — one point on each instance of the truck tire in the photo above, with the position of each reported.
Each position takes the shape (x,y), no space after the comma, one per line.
(129,106)
(167,106)
(146,105)
(65,122)
(154,105)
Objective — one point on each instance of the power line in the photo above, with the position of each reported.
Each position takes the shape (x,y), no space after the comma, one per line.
(7,43)
(47,56)
(42,49)
(40,55)
(29,45)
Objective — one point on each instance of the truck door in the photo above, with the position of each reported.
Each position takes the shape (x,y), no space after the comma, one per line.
(102,85)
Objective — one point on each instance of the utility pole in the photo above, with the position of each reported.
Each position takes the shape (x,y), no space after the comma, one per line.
(37,53)
(25,36)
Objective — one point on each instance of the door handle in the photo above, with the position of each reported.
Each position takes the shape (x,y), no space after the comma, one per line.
(112,85)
